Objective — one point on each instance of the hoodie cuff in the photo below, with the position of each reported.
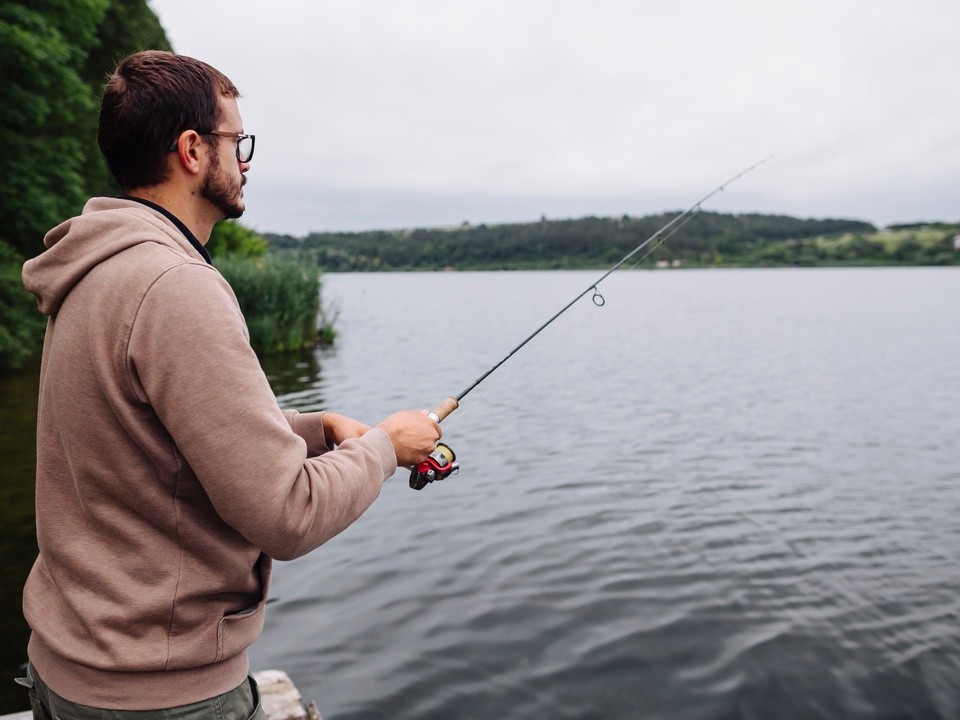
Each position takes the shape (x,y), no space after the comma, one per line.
(309,426)
(381,442)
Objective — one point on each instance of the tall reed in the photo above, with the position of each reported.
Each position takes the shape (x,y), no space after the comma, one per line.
(280,299)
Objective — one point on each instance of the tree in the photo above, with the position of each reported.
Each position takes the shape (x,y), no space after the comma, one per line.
(54,55)
(45,100)
(127,26)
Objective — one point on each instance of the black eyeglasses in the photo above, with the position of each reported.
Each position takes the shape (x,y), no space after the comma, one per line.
(245,144)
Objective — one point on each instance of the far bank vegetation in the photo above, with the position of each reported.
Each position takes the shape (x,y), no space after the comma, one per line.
(707,240)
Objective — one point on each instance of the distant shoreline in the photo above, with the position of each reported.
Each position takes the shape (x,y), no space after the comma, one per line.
(707,240)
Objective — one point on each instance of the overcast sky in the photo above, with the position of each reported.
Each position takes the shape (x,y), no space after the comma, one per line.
(404,113)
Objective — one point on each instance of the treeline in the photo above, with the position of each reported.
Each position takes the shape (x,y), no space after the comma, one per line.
(706,239)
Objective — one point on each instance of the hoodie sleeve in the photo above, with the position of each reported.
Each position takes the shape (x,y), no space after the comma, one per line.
(190,359)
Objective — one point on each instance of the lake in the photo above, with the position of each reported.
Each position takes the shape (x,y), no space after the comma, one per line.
(723,494)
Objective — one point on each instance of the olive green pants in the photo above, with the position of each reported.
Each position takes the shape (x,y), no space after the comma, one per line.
(241,703)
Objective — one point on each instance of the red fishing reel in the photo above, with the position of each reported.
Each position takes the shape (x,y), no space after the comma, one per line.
(439,464)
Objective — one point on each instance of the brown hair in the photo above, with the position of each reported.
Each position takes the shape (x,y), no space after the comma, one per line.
(150,99)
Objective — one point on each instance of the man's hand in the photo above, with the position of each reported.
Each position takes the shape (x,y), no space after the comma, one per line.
(413,434)
(337,428)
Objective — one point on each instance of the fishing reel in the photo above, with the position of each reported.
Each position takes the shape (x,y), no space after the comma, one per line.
(441,463)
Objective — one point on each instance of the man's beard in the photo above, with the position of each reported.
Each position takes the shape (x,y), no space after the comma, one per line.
(218,189)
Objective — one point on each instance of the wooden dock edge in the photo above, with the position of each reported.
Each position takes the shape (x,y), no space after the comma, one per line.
(279,696)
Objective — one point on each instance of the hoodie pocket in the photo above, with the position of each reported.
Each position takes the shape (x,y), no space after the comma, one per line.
(237,631)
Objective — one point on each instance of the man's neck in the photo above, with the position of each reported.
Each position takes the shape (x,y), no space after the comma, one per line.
(187,209)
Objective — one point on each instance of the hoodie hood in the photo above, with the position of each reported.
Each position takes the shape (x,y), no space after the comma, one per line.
(106,227)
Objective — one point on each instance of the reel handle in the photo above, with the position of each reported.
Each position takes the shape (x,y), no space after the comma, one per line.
(443,409)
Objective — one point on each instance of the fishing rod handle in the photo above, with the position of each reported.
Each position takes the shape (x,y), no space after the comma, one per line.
(444,409)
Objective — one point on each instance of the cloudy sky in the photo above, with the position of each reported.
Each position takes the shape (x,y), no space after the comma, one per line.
(404,113)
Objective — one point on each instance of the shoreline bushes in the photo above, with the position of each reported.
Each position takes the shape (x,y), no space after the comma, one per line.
(280,300)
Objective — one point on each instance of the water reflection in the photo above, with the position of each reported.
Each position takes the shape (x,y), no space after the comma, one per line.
(18,544)
(297,377)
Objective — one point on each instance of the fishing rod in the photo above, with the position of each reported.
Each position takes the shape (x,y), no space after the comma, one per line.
(442,461)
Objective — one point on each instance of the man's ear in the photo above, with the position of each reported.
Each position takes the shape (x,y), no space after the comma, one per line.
(189,151)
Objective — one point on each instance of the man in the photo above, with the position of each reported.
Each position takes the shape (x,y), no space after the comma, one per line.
(167,475)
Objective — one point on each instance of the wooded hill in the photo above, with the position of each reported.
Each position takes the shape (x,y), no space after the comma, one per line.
(708,239)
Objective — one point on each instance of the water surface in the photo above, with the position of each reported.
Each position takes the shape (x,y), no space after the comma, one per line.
(724,494)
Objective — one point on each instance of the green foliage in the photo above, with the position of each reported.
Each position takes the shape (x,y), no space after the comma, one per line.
(54,55)
(127,26)
(280,300)
(45,101)
(707,240)
(229,236)
(21,331)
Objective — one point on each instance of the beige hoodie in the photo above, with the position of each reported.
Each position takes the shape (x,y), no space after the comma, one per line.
(167,475)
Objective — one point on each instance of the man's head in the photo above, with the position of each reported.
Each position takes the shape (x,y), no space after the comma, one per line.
(149,100)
